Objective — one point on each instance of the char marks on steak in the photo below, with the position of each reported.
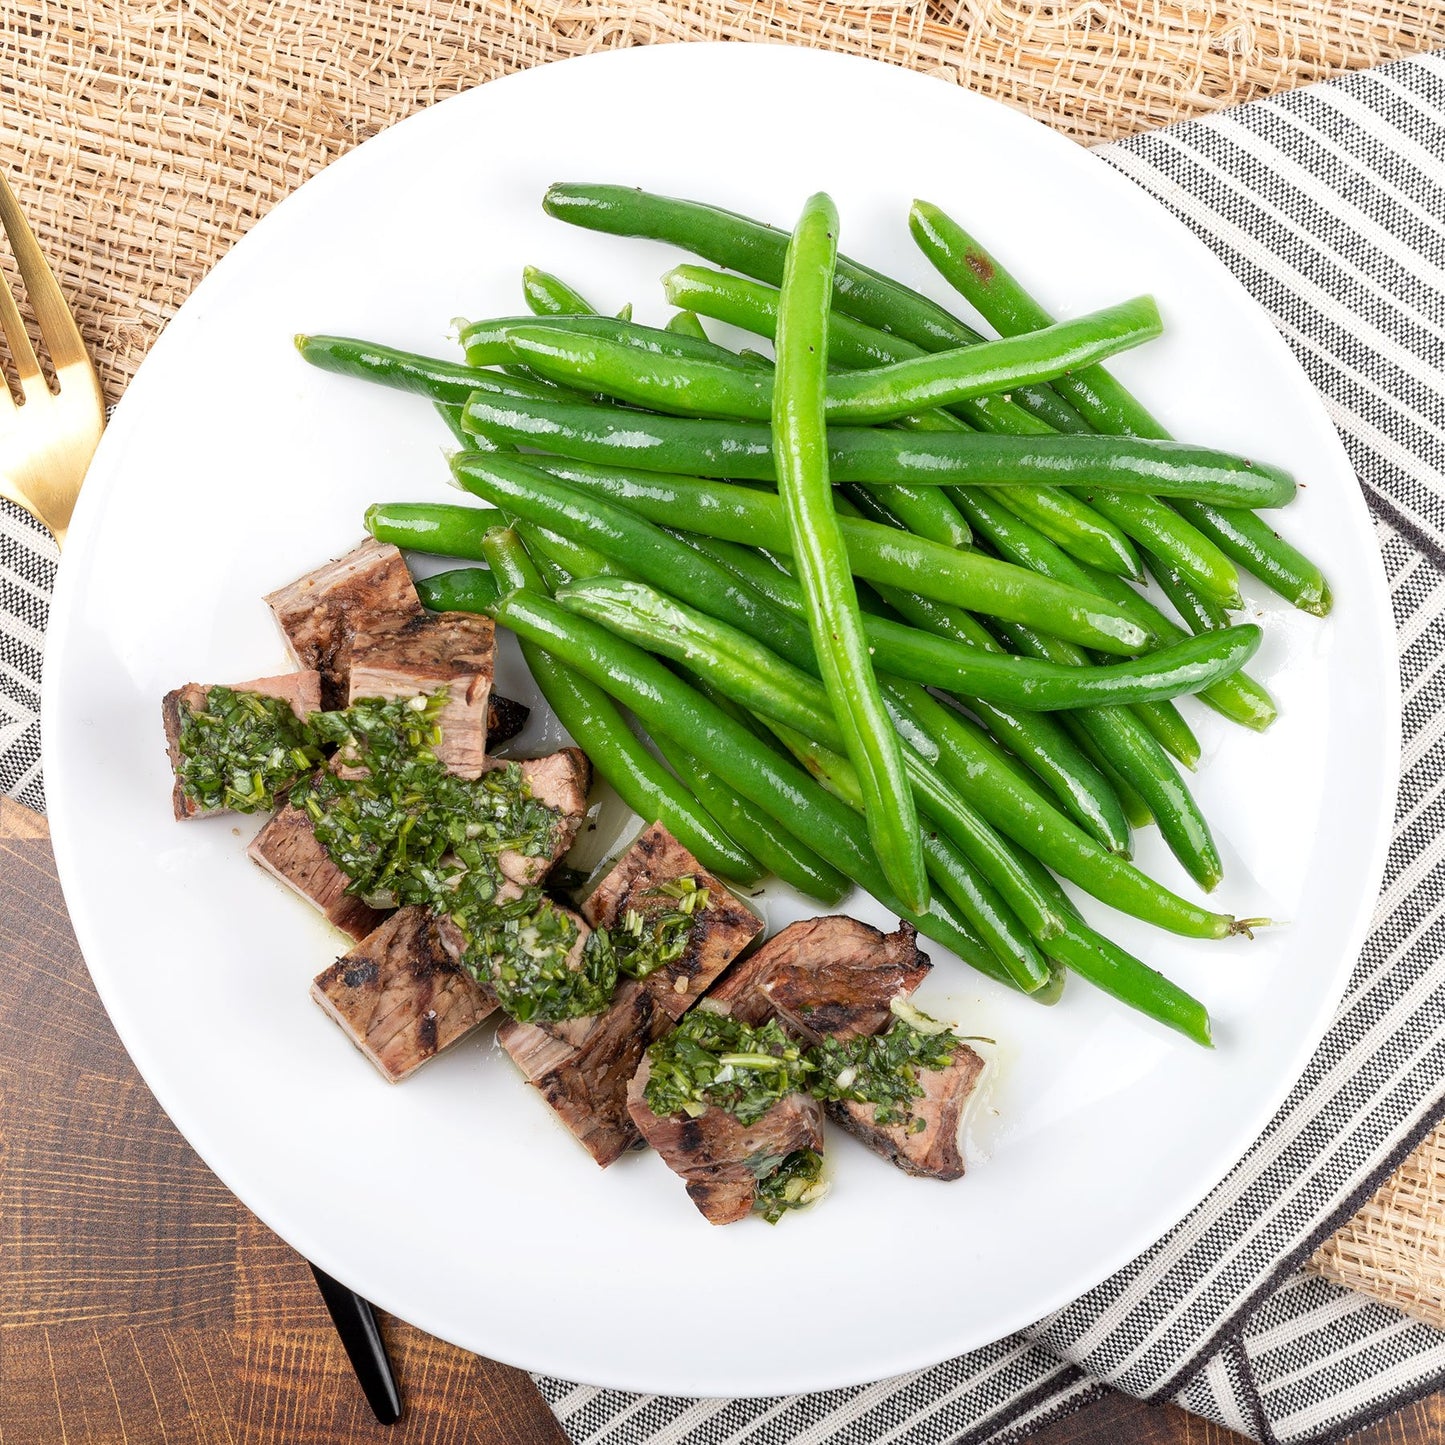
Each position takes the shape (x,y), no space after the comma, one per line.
(559,781)
(587,1086)
(825,977)
(505,719)
(399,995)
(288,849)
(367,590)
(452,650)
(719,932)
(719,1157)
(934,1152)
(301,689)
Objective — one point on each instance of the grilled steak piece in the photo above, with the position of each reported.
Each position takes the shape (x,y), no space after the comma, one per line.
(830,976)
(505,719)
(720,1158)
(301,689)
(452,650)
(720,930)
(560,781)
(934,1152)
(367,590)
(287,849)
(400,997)
(836,977)
(587,1086)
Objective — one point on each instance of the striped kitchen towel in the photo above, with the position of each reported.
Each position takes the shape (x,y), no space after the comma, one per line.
(1329,205)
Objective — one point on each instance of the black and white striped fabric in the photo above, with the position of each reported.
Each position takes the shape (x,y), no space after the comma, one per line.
(1329,205)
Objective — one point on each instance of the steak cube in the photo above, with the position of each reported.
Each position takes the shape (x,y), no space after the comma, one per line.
(452,650)
(400,997)
(719,1158)
(720,930)
(933,1152)
(559,781)
(367,590)
(587,1086)
(288,849)
(301,689)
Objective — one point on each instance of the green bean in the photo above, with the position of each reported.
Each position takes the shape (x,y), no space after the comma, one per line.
(491,342)
(1036,738)
(1263,553)
(1073,526)
(742,450)
(664,703)
(1240,698)
(1169,728)
(773,846)
(925,511)
(757,250)
(443,381)
(687,323)
(549,295)
(441,528)
(722,388)
(1111,408)
(805,492)
(624,312)
(463,589)
(1136,810)
(1200,613)
(741,514)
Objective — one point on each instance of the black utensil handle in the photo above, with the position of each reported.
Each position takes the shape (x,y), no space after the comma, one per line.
(355,1322)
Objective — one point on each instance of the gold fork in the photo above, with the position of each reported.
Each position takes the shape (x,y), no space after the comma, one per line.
(48,439)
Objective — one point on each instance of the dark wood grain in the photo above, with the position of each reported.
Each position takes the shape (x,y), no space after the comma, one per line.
(142,1304)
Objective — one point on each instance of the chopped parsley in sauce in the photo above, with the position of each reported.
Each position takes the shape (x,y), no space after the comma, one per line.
(404,830)
(793,1184)
(714,1060)
(242,750)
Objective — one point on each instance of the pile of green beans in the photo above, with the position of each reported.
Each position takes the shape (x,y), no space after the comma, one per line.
(866,611)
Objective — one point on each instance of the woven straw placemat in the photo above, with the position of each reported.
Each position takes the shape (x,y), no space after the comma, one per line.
(145,138)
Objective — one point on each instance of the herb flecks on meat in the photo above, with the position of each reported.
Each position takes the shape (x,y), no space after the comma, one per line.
(883,1069)
(243,750)
(793,1184)
(714,1060)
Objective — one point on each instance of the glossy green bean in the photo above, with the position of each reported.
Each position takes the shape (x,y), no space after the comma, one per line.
(757,249)
(664,703)
(741,514)
(1254,544)
(770,843)
(722,388)
(1200,613)
(463,589)
(490,342)
(549,295)
(443,529)
(927,512)
(687,323)
(805,494)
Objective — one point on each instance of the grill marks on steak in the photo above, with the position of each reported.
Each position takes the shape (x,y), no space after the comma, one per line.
(452,650)
(587,1086)
(719,932)
(288,849)
(719,1158)
(505,719)
(320,614)
(400,997)
(832,977)
(560,781)
(934,1153)
(301,689)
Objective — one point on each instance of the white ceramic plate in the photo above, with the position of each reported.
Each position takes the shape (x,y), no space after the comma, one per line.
(456,1201)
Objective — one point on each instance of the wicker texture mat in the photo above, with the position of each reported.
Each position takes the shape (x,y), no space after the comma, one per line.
(144,139)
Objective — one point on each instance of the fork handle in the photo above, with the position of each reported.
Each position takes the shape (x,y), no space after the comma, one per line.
(355,1322)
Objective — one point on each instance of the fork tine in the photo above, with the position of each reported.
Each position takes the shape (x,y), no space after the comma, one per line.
(18,340)
(57,326)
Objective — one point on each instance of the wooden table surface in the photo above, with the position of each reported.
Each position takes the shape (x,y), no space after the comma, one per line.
(141,1304)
